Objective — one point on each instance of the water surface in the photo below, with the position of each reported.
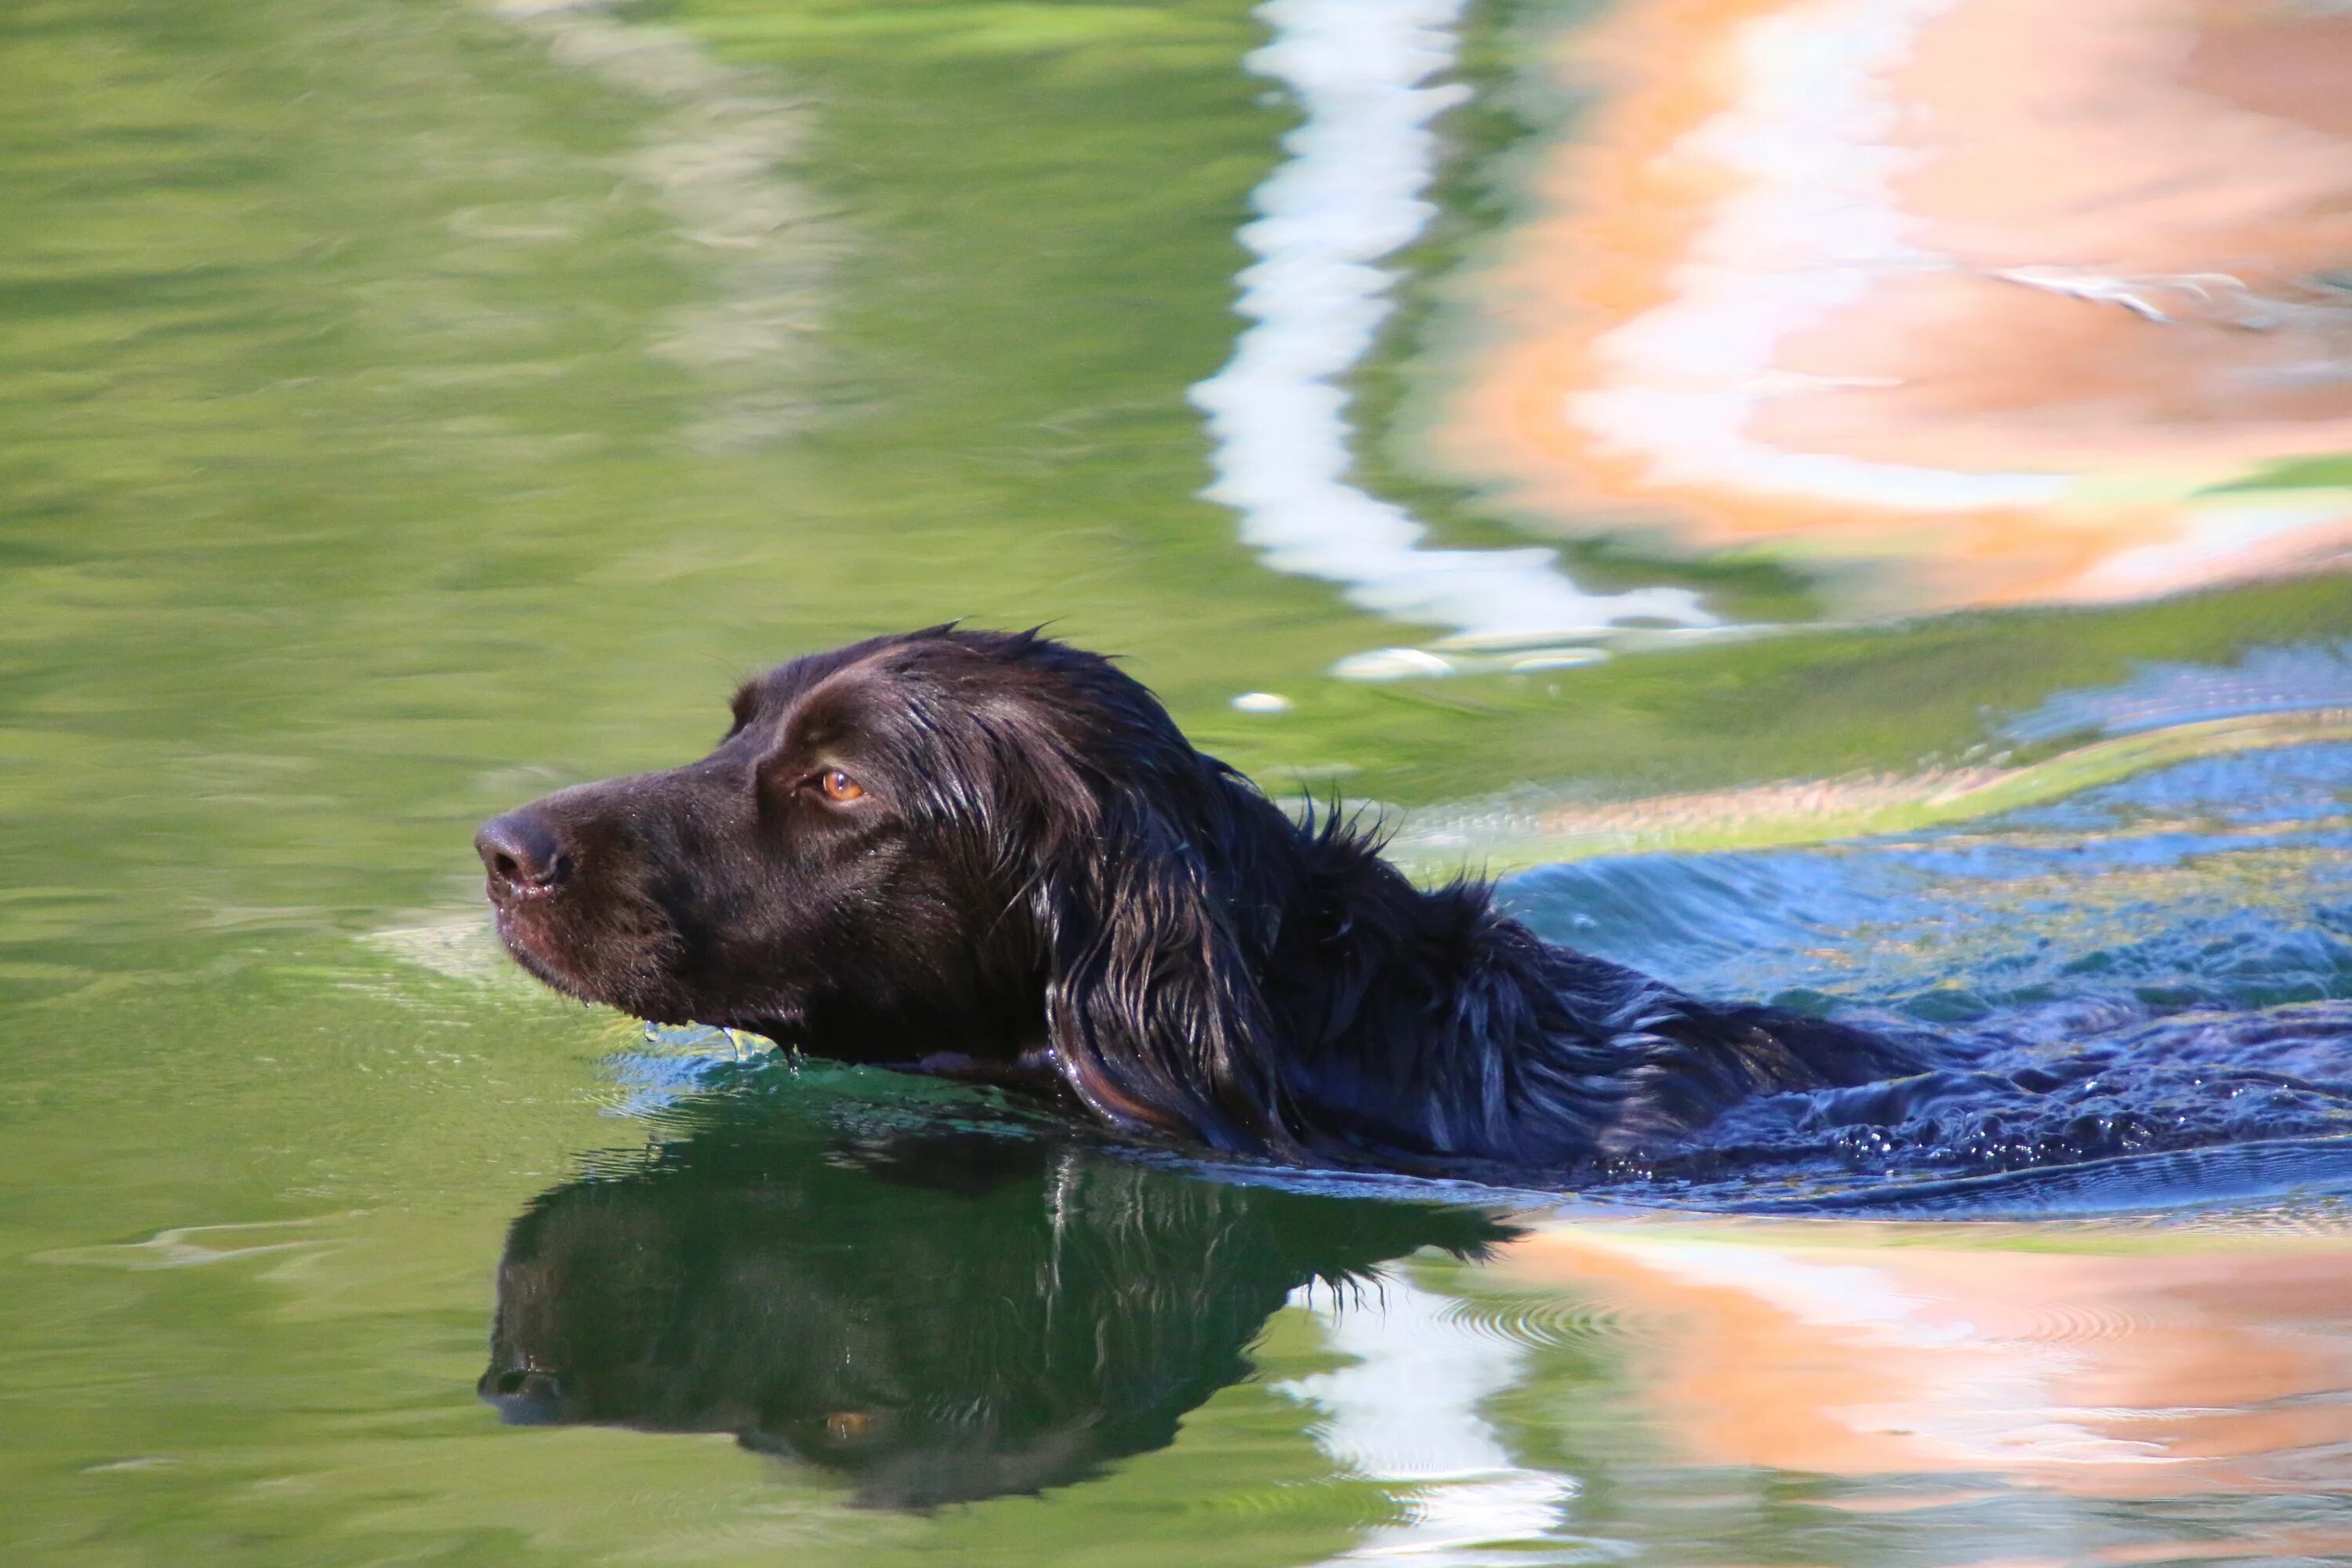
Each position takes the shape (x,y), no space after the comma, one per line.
(408,406)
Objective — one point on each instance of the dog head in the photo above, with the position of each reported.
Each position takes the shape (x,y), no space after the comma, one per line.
(949,841)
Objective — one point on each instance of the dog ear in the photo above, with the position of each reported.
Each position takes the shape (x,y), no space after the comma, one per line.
(1151,1002)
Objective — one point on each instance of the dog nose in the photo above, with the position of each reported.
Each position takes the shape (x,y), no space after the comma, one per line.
(523,853)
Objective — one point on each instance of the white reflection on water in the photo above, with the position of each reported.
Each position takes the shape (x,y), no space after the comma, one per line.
(2126,1361)
(1350,194)
(1811,232)
(1405,1412)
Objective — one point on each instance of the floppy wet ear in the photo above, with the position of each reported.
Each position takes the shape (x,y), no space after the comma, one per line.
(1151,1002)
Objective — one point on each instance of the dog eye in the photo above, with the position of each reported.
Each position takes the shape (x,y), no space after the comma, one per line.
(835,784)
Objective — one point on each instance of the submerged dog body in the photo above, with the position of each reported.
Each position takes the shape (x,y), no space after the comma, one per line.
(994,856)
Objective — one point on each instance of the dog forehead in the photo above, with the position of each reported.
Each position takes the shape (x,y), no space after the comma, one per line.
(835,708)
(778,690)
(823,688)
(931,680)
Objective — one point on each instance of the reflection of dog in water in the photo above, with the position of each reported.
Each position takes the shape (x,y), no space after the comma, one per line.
(995,856)
(942,1318)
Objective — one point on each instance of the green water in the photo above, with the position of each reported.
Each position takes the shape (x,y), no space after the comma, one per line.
(380,446)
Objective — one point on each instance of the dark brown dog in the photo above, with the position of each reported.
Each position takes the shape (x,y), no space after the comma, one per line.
(994,856)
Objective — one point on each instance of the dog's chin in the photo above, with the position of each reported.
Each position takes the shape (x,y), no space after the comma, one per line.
(557,965)
(632,982)
(522,945)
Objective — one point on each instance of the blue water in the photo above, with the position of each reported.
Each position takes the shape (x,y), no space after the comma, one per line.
(2157,966)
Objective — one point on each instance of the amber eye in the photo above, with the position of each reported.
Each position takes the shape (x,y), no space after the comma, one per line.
(847,1425)
(835,784)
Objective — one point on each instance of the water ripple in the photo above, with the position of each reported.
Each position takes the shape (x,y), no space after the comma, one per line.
(1551,1323)
(2148,986)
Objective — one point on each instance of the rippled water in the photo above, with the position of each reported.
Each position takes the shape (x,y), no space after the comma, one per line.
(2151,967)
(410,405)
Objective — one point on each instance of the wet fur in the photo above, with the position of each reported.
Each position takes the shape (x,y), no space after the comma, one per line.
(1046,885)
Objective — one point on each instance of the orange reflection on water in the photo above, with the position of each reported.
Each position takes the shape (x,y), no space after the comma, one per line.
(1954,302)
(1881,1351)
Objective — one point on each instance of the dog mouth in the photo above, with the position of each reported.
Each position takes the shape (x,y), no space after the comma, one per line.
(530,945)
(620,955)
(537,934)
